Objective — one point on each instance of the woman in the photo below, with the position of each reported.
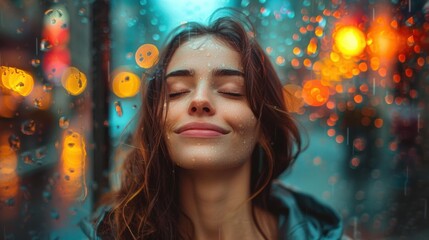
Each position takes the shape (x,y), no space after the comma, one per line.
(213,136)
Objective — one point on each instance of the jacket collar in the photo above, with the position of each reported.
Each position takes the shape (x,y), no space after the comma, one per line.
(303,217)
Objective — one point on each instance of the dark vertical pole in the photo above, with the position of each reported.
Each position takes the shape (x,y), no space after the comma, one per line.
(100,73)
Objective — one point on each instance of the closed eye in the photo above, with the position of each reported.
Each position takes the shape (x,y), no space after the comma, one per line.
(234,94)
(176,94)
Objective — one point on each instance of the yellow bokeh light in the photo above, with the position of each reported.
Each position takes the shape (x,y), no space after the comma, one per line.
(72,166)
(74,81)
(126,84)
(349,40)
(147,55)
(16,80)
(73,152)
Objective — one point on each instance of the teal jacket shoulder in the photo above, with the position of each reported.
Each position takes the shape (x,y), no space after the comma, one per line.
(301,216)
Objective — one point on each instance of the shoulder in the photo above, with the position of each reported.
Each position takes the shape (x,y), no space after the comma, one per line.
(301,216)
(103,223)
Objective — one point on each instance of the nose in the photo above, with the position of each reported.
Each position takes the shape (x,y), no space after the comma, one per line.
(201,103)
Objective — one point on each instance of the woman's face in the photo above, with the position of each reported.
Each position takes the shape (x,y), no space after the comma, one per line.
(209,122)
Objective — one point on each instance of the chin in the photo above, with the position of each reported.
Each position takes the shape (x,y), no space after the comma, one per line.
(206,162)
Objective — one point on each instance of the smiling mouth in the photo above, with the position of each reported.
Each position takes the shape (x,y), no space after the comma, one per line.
(201,130)
(202,133)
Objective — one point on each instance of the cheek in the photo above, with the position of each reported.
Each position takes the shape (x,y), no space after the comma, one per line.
(247,125)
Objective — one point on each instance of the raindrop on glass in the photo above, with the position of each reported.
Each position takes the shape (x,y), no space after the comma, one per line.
(41,152)
(10,202)
(118,108)
(28,127)
(55,215)
(28,159)
(49,12)
(37,103)
(45,45)
(47,87)
(81,11)
(64,122)
(14,142)
(35,62)
(47,196)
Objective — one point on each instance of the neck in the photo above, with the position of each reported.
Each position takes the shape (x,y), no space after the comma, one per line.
(217,203)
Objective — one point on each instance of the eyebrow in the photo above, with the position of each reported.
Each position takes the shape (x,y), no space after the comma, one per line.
(216,72)
(227,72)
(180,73)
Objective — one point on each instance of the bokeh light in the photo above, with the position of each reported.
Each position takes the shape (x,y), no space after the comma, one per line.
(349,40)
(315,93)
(74,81)
(73,166)
(147,55)
(125,84)
(16,80)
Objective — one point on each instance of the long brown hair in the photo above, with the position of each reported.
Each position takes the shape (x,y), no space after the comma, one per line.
(146,205)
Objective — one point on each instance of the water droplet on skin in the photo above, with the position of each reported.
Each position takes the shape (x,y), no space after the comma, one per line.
(14,142)
(64,122)
(28,127)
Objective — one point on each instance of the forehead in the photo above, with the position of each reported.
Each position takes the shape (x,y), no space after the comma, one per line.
(204,52)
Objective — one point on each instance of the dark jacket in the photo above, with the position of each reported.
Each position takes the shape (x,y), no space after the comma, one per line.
(301,217)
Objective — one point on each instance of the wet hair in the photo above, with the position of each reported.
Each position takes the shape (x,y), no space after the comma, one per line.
(146,205)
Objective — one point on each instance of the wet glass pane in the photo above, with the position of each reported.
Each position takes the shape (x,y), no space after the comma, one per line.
(355,73)
(45,119)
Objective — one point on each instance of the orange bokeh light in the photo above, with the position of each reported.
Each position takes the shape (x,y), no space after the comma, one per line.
(315,93)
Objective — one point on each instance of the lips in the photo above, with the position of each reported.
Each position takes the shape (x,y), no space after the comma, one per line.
(201,129)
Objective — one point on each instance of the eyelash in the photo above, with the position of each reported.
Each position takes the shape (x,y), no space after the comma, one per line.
(234,94)
(176,94)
